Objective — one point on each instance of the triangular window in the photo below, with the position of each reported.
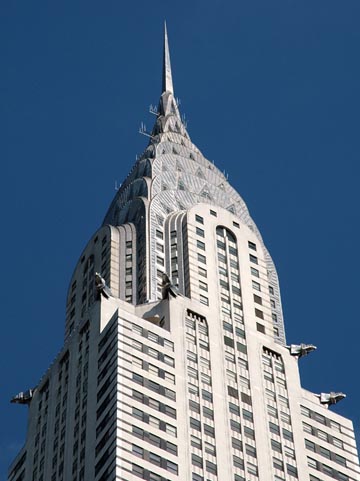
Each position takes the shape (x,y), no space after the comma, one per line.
(200,174)
(206,193)
(181,185)
(160,219)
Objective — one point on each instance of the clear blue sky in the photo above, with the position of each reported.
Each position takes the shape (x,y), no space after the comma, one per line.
(270,89)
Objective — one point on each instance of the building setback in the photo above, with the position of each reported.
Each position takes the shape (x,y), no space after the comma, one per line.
(175,364)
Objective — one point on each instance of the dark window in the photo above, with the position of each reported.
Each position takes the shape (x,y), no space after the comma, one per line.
(200,232)
(195,424)
(253,259)
(211,467)
(196,461)
(257,299)
(228,341)
(260,328)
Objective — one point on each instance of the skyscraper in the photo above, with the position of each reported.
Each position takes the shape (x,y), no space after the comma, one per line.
(175,363)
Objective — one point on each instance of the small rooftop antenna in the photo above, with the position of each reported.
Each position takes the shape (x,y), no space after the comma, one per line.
(143,131)
(184,121)
(154,110)
(117,187)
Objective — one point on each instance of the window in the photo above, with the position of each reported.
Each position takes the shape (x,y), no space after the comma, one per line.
(206,395)
(254,272)
(196,461)
(212,212)
(197,477)
(199,219)
(205,378)
(168,344)
(209,430)
(227,326)
(312,463)
(338,443)
(153,337)
(276,446)
(289,452)
(200,232)
(160,261)
(253,259)
(249,433)
(285,417)
(211,467)
(241,347)
(244,382)
(203,286)
(252,469)
(204,300)
(195,442)
(291,470)
(195,424)
(234,409)
(210,449)
(256,286)
(202,272)
(200,245)
(257,299)
(137,450)
(278,464)
(252,245)
(287,434)
(250,450)
(247,415)
(325,452)
(260,328)
(310,445)
(274,428)
(235,426)
(201,258)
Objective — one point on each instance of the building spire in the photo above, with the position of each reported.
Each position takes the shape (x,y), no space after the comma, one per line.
(167,83)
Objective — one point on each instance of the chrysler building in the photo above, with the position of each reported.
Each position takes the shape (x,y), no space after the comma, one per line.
(175,365)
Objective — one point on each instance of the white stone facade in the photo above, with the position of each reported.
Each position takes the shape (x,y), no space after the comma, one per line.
(199,386)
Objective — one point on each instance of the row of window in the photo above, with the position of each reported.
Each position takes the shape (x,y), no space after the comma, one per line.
(146,474)
(329,471)
(154,386)
(316,448)
(154,403)
(152,369)
(160,356)
(155,459)
(320,418)
(155,440)
(152,336)
(154,421)
(323,435)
